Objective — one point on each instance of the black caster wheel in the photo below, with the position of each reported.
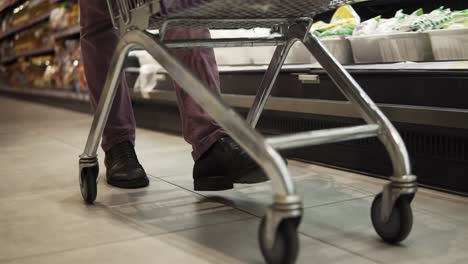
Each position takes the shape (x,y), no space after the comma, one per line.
(88,184)
(286,245)
(399,225)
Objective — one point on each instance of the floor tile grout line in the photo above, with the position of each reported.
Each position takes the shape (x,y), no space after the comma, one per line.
(207,197)
(150,235)
(142,224)
(341,201)
(254,216)
(341,248)
(203,226)
(305,208)
(71,249)
(347,185)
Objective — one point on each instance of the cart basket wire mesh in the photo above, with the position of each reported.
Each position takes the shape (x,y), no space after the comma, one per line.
(243,13)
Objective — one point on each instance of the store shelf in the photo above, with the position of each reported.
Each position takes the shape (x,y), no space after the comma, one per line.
(67,32)
(60,94)
(32,22)
(59,35)
(405,66)
(7,4)
(33,52)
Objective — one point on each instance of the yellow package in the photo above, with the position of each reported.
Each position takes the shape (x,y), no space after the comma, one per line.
(343,22)
(346,13)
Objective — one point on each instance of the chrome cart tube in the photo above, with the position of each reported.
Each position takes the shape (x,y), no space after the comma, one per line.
(253,143)
(356,95)
(106,99)
(268,81)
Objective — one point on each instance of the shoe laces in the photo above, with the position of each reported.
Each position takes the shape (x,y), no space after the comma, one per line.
(230,145)
(236,150)
(238,156)
(123,151)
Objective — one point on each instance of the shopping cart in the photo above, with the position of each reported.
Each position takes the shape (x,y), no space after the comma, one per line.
(391,212)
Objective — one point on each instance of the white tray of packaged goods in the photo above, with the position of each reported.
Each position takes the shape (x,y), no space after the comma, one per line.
(392,47)
(338,46)
(449,44)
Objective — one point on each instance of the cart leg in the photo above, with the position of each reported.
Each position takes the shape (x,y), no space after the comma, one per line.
(284,215)
(402,186)
(268,81)
(88,164)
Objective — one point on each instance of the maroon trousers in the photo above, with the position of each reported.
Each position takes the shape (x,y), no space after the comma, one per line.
(98,41)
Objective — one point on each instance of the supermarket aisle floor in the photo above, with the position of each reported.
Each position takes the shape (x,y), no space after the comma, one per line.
(43,219)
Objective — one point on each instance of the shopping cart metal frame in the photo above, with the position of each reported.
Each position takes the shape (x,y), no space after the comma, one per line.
(391,212)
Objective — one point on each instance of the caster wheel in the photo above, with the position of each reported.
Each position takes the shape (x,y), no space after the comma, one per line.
(88,184)
(286,245)
(399,225)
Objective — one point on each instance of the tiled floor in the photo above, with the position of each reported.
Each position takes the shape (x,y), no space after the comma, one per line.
(43,218)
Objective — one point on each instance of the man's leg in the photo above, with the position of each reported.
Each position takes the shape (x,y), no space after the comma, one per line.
(198,128)
(98,42)
(219,161)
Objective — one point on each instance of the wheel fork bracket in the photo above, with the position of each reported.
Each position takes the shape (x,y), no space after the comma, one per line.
(284,207)
(399,186)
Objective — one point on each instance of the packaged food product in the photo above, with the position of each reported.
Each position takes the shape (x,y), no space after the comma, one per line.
(404,22)
(343,22)
(459,20)
(434,20)
(367,27)
(64,16)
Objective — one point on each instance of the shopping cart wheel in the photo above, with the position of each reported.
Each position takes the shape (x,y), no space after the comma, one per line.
(399,225)
(286,245)
(88,183)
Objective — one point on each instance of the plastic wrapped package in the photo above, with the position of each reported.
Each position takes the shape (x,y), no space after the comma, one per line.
(64,16)
(367,27)
(58,18)
(28,10)
(51,76)
(404,22)
(66,70)
(35,72)
(39,36)
(343,23)
(147,78)
(71,61)
(434,20)
(459,20)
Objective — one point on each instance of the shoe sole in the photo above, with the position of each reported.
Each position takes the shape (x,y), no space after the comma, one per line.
(218,183)
(252,177)
(134,184)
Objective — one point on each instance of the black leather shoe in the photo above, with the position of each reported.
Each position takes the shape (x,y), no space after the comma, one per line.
(224,164)
(123,168)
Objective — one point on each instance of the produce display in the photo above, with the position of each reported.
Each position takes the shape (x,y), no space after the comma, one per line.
(61,68)
(66,71)
(346,22)
(64,16)
(343,23)
(25,12)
